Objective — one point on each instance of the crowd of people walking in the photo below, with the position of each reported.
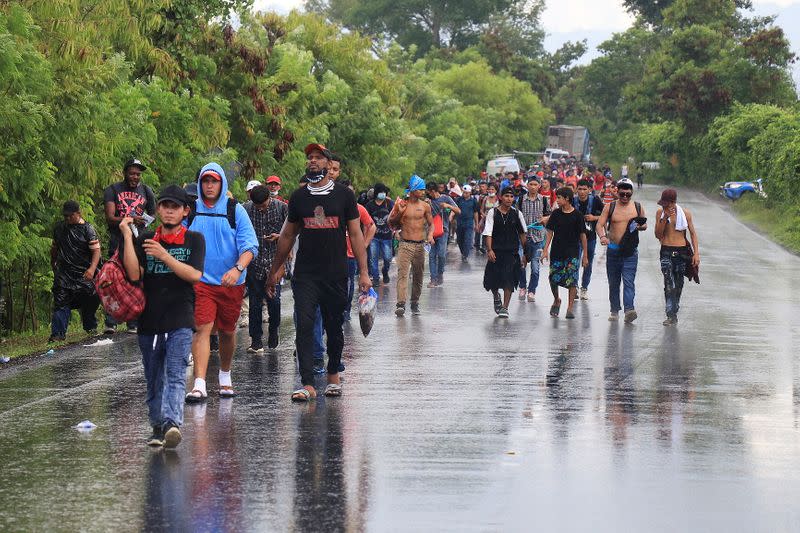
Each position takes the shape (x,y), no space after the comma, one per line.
(212,264)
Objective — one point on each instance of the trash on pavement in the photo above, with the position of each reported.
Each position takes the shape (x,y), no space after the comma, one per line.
(86,425)
(99,342)
(50,352)
(367,303)
(5,359)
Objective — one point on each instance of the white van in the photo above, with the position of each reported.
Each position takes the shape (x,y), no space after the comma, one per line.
(502,164)
(554,154)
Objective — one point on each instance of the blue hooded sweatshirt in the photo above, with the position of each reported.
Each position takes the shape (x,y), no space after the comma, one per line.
(224,245)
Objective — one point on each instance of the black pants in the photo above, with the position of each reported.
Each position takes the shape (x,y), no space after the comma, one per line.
(331,296)
(65,300)
(257,293)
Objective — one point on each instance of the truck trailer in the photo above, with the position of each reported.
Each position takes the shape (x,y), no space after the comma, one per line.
(573,139)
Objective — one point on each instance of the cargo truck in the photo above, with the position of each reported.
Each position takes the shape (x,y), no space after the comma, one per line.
(572,139)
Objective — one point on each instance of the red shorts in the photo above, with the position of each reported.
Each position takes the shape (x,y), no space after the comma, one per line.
(218,304)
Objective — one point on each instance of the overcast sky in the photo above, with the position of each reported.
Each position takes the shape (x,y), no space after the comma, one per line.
(596,20)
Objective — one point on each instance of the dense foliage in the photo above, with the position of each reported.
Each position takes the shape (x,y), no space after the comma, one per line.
(400,87)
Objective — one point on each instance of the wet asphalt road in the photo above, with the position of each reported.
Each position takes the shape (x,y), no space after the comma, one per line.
(451,421)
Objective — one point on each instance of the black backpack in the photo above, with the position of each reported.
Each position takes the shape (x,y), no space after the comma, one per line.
(630,241)
(230,215)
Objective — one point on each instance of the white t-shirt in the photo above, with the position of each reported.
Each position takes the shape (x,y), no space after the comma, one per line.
(487,230)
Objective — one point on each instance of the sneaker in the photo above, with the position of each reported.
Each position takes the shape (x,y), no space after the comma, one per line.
(256,348)
(498,304)
(400,310)
(584,293)
(214,343)
(670,321)
(386,277)
(503,313)
(376,282)
(415,308)
(172,436)
(614,316)
(133,331)
(630,316)
(319,366)
(531,296)
(109,330)
(157,438)
(273,340)
(463,258)
(432,284)
(522,294)
(57,338)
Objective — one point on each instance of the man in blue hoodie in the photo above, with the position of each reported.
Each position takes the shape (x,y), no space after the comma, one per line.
(231,244)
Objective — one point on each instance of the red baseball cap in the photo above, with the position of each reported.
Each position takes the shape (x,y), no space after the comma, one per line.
(316,146)
(211,173)
(273,179)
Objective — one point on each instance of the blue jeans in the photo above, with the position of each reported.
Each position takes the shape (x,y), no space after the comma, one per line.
(591,246)
(621,269)
(465,235)
(533,250)
(257,293)
(165,357)
(437,258)
(64,301)
(380,249)
(352,270)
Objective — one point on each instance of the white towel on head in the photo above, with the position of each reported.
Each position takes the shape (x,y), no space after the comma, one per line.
(681,224)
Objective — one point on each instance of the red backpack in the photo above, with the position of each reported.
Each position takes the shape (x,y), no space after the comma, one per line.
(121,298)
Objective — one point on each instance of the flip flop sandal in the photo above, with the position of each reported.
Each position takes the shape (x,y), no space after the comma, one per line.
(333,389)
(196,396)
(226,391)
(302,395)
(554,309)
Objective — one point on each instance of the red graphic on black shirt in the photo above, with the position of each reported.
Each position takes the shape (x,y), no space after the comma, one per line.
(130,204)
(320,221)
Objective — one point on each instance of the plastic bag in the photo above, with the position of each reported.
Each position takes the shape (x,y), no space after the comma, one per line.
(367,303)
(85,426)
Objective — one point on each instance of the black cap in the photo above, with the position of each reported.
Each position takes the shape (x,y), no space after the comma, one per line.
(133,162)
(70,207)
(175,194)
(191,190)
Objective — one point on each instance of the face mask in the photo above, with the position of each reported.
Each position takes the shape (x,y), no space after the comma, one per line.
(492,194)
(273,193)
(381,196)
(315,177)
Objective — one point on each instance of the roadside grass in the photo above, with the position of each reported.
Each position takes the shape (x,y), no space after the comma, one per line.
(35,342)
(780,223)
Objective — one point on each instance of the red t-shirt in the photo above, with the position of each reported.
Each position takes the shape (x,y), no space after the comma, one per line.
(366,221)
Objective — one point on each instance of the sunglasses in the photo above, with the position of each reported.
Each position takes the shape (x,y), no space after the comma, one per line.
(626,194)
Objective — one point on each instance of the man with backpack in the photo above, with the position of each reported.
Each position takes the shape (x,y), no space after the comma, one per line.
(128,198)
(437,256)
(231,245)
(590,208)
(467,221)
(618,228)
(168,263)
(267,215)
(535,209)
(381,246)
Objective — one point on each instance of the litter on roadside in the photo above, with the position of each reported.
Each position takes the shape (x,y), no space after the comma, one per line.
(86,425)
(99,342)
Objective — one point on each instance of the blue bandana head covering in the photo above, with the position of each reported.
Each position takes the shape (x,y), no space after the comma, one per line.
(415,184)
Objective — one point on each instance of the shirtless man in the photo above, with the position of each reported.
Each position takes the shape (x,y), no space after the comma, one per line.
(411,216)
(618,229)
(672,223)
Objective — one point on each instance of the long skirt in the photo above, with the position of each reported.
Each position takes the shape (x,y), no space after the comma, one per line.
(504,273)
